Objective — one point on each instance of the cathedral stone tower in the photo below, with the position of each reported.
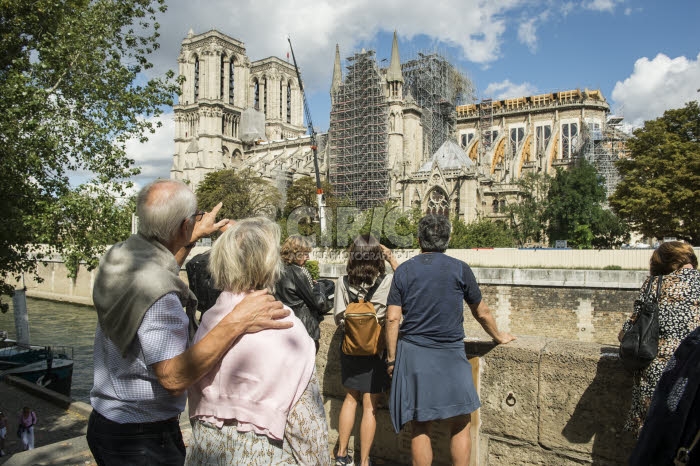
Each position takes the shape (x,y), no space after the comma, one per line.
(228,104)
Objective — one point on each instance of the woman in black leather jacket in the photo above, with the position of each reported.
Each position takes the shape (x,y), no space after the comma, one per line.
(295,287)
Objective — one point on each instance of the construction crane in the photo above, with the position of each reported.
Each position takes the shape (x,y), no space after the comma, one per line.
(312,133)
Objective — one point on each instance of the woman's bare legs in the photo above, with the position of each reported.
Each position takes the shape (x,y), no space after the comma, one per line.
(421,450)
(346,420)
(368,427)
(461,441)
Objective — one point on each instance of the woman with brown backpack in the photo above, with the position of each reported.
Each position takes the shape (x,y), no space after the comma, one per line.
(363,368)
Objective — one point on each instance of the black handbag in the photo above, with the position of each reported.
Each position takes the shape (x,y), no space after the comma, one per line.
(640,344)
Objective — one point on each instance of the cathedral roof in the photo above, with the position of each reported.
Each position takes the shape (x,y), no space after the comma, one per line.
(449,156)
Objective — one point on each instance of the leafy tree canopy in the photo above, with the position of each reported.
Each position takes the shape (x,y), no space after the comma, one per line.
(482,233)
(659,191)
(84,222)
(528,220)
(73,92)
(243,194)
(574,199)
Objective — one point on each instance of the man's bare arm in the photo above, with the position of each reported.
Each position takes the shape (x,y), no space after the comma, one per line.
(482,314)
(258,311)
(393,319)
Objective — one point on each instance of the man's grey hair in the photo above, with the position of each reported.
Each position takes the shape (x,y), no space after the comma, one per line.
(162,206)
(434,233)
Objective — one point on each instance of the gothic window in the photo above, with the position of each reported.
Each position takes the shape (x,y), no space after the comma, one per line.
(494,204)
(222,68)
(569,139)
(256,94)
(281,100)
(438,203)
(491,137)
(196,78)
(517,135)
(264,83)
(543,133)
(231,67)
(289,102)
(465,139)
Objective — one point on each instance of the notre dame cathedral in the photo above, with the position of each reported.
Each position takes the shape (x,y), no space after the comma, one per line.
(410,133)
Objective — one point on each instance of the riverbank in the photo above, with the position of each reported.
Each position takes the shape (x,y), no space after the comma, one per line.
(60,421)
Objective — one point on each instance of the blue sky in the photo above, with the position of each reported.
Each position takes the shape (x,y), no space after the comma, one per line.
(643,55)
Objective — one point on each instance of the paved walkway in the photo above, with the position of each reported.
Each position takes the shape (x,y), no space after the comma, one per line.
(60,430)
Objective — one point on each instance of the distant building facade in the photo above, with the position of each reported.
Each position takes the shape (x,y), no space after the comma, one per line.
(402,133)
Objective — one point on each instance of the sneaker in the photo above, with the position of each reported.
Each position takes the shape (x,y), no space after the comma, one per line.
(344,460)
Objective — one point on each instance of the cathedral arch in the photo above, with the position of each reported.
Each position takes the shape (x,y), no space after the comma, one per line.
(231,78)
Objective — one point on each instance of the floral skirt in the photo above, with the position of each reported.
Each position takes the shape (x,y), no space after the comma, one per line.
(305,439)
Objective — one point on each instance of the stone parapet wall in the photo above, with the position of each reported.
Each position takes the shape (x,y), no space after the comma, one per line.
(579,305)
(544,401)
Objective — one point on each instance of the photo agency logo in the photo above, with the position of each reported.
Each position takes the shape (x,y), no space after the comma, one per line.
(349,221)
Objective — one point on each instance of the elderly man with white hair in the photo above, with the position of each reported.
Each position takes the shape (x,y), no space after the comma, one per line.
(143,357)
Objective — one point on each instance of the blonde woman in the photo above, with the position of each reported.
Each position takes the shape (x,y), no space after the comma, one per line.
(262,405)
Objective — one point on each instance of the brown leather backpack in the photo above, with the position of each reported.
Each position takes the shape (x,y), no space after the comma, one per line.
(363,334)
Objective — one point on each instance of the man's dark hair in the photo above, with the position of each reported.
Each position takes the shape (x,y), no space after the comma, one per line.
(434,233)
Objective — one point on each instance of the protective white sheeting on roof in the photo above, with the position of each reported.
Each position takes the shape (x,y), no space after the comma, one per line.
(449,156)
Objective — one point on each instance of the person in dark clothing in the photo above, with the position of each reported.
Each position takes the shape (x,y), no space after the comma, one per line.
(672,424)
(296,287)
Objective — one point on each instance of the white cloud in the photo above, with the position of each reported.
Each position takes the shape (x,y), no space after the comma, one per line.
(601,5)
(155,157)
(527,34)
(475,27)
(657,85)
(508,90)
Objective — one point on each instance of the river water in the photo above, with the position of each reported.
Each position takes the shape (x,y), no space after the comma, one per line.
(61,324)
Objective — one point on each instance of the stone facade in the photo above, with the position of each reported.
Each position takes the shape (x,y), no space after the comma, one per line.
(238,113)
(230,105)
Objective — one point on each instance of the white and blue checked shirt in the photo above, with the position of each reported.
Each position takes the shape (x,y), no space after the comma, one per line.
(126,390)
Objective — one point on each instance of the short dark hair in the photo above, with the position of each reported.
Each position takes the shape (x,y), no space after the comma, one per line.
(365,261)
(434,233)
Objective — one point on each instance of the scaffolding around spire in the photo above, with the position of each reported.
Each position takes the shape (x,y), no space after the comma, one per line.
(358,134)
(437,87)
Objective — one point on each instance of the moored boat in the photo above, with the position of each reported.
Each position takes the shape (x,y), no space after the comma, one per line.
(50,367)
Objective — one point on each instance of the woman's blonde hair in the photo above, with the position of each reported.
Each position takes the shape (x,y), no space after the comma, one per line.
(671,256)
(293,246)
(246,257)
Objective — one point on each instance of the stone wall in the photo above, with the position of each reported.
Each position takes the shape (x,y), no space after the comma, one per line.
(579,305)
(544,402)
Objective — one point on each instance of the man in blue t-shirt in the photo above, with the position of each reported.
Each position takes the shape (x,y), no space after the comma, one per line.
(432,376)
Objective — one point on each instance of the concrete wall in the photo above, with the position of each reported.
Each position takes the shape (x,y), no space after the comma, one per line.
(544,402)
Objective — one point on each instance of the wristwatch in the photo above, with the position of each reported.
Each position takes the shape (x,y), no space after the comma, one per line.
(389,363)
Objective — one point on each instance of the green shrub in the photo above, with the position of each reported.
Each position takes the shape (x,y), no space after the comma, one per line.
(612,267)
(312,267)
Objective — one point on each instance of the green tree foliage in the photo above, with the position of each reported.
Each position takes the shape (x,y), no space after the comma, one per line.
(482,233)
(244,194)
(574,199)
(84,222)
(73,92)
(528,220)
(659,191)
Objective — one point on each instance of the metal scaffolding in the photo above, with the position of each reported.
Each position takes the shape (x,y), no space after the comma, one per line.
(438,87)
(602,148)
(358,134)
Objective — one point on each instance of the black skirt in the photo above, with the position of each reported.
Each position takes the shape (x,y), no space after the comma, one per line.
(366,374)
